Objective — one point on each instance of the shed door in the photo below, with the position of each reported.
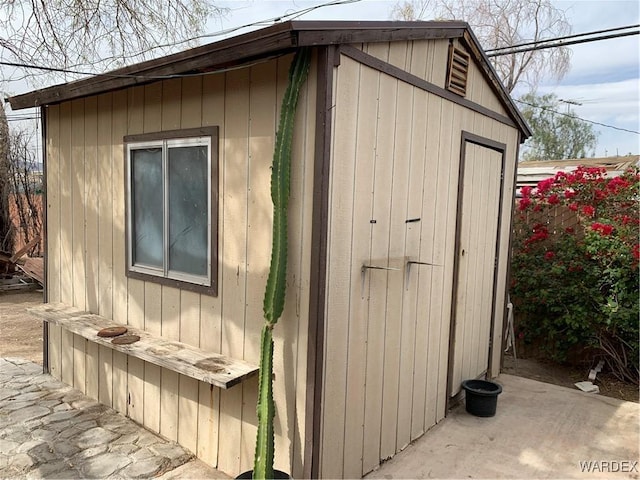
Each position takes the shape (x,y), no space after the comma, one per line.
(476,260)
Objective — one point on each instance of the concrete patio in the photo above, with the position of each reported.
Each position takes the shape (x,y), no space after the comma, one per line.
(50,430)
(539,431)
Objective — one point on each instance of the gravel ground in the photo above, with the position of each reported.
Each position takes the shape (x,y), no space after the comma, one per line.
(20,332)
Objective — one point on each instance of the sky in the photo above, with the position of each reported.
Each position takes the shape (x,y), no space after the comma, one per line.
(604,78)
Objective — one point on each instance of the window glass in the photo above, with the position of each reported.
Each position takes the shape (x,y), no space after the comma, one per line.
(147,221)
(188,209)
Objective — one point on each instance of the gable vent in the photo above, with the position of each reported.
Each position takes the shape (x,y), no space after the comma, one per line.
(458,71)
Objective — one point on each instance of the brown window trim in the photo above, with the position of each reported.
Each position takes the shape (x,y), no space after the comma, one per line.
(212,132)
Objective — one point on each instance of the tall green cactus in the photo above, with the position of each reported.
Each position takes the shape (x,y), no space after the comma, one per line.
(276,283)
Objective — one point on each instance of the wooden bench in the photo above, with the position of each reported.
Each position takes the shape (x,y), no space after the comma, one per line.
(213,368)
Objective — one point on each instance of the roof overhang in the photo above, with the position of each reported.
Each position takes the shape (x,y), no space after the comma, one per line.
(268,42)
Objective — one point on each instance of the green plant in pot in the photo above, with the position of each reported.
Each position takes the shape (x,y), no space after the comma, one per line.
(276,283)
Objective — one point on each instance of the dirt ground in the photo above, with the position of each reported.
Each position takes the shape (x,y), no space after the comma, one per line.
(21,336)
(567,376)
(20,332)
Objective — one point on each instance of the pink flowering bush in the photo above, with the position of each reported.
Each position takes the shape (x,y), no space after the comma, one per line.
(575,284)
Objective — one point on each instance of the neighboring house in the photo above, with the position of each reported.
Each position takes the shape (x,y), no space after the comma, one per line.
(404,160)
(530,172)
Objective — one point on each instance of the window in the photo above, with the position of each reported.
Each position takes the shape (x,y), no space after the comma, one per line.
(172,209)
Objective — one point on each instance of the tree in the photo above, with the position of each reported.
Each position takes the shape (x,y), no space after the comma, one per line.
(555,135)
(574,283)
(410,10)
(25,184)
(503,23)
(87,35)
(79,33)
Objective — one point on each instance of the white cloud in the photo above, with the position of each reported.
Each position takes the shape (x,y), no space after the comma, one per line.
(606,59)
(604,75)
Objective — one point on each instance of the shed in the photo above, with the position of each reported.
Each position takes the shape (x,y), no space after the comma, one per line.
(404,158)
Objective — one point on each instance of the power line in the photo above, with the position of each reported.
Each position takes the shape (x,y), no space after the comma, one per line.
(555,44)
(561,38)
(93,74)
(19,114)
(538,45)
(126,75)
(269,21)
(22,118)
(265,22)
(555,112)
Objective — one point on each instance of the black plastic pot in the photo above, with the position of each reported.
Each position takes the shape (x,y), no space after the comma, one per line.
(481,397)
(277,475)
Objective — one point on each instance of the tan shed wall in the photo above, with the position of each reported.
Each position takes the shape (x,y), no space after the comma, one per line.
(432,65)
(511,138)
(86,251)
(395,157)
(434,55)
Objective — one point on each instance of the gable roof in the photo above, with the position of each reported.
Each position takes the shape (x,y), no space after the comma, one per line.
(267,42)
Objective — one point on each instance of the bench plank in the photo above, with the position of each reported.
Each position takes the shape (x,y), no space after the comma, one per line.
(213,368)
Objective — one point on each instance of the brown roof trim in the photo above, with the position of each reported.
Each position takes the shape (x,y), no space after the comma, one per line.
(468,137)
(267,42)
(218,55)
(327,58)
(312,33)
(274,40)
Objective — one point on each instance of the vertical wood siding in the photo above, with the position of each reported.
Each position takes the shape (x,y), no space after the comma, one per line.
(511,138)
(478,235)
(434,55)
(86,248)
(393,199)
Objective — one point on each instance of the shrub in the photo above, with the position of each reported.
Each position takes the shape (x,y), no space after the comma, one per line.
(575,284)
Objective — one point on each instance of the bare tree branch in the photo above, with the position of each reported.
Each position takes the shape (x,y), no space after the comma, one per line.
(67,32)
(502,23)
(70,32)
(25,184)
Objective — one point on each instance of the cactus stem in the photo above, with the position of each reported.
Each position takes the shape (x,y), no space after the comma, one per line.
(276,283)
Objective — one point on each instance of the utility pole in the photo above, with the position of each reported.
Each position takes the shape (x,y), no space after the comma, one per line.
(6,233)
(569,102)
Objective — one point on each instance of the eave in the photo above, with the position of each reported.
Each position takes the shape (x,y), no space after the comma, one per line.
(268,42)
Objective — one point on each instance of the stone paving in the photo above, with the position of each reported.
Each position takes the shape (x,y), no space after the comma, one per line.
(50,430)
